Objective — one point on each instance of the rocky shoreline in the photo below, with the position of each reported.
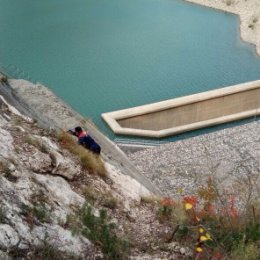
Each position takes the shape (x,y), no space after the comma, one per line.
(249,13)
(230,157)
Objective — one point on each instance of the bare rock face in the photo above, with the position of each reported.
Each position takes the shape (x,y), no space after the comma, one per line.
(39,162)
(35,197)
(43,191)
(6,143)
(61,238)
(4,256)
(8,236)
(32,208)
(59,165)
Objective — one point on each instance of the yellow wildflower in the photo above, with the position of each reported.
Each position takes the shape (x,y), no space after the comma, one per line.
(203,238)
(201,230)
(199,249)
(208,236)
(188,206)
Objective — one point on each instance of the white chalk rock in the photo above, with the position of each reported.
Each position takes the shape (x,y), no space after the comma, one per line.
(60,165)
(61,238)
(8,236)
(126,185)
(6,144)
(60,190)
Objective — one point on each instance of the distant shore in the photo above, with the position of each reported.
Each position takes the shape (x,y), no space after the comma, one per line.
(249,13)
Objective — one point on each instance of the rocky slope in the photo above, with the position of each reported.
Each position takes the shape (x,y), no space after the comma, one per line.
(43,189)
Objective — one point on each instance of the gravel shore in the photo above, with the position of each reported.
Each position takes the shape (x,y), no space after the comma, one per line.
(249,12)
(230,156)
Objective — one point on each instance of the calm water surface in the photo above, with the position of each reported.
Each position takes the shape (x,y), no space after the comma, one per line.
(104,55)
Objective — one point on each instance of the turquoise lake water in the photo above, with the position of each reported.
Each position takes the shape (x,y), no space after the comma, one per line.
(105,55)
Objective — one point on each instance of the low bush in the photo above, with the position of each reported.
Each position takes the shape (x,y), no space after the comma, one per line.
(74,223)
(101,232)
(246,251)
(91,194)
(213,224)
(37,211)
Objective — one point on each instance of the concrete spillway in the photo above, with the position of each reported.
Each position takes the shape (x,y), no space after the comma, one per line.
(188,113)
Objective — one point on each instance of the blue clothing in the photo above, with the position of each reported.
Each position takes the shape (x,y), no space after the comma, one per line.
(88,142)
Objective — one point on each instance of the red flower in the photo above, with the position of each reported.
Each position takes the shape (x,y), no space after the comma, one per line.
(191,200)
(167,202)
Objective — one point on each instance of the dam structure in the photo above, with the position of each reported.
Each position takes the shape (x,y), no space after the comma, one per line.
(187,113)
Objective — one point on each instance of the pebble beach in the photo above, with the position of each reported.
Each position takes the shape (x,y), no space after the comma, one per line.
(231,157)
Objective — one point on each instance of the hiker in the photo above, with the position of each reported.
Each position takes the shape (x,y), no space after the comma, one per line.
(86,140)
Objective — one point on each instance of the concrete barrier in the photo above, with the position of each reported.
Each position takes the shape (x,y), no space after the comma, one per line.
(188,113)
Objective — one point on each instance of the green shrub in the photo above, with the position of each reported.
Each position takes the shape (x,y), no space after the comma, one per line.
(37,211)
(101,232)
(74,224)
(246,251)
(90,194)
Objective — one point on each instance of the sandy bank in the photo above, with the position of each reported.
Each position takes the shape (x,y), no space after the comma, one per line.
(249,12)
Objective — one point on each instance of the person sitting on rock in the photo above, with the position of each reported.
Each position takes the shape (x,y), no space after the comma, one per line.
(86,140)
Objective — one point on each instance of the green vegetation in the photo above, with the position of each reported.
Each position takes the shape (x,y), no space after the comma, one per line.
(74,223)
(89,161)
(100,231)
(213,224)
(246,251)
(37,211)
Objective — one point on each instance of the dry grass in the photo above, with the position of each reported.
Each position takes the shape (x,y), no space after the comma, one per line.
(4,167)
(93,163)
(151,199)
(90,194)
(109,201)
(103,198)
(36,143)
